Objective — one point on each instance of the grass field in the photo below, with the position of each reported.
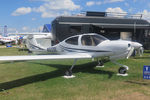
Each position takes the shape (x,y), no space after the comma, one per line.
(42,80)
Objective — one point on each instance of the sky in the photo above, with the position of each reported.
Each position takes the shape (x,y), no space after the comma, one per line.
(31,15)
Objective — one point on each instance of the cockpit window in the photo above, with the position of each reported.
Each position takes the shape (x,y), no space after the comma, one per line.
(73,40)
(92,40)
(86,40)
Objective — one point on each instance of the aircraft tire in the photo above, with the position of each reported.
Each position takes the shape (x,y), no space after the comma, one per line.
(68,73)
(122,70)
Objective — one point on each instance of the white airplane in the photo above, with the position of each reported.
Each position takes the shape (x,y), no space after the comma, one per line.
(36,40)
(85,46)
(9,39)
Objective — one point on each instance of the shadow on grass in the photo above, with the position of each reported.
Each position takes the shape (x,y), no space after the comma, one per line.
(85,68)
(139,83)
(23,49)
(142,58)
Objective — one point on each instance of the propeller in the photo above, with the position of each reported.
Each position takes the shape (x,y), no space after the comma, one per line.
(140,51)
(138,48)
(131,49)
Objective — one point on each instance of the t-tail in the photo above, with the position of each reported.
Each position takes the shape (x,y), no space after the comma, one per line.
(33,46)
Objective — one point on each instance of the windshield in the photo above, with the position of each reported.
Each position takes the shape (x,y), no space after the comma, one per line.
(73,40)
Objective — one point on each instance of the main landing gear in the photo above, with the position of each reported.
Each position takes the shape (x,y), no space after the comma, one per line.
(100,64)
(68,73)
(122,70)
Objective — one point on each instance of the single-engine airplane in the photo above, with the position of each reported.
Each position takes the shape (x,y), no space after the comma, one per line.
(85,46)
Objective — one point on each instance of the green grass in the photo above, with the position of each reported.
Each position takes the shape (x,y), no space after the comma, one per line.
(42,80)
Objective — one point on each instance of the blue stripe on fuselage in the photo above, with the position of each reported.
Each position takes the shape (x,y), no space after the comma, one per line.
(80,50)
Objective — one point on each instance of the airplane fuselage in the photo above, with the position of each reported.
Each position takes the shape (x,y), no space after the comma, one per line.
(102,48)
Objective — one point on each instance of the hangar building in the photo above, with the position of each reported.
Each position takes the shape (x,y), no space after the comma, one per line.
(112,26)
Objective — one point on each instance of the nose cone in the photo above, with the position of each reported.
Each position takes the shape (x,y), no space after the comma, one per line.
(136,45)
(120,46)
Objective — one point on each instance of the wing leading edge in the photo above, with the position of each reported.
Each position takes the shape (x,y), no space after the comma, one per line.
(44,57)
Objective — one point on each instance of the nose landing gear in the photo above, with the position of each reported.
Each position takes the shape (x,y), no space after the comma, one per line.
(122,71)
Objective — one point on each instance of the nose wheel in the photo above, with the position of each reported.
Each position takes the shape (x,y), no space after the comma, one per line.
(122,70)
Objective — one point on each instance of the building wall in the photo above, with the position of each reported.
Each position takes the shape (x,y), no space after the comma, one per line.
(62,31)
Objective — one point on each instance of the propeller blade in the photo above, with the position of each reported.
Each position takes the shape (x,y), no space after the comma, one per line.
(140,51)
(130,52)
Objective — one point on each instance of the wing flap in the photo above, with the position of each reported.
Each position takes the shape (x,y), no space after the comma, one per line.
(44,57)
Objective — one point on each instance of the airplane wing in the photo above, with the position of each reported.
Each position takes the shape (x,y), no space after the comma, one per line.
(44,57)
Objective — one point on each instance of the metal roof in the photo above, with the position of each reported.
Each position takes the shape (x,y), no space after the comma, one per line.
(105,22)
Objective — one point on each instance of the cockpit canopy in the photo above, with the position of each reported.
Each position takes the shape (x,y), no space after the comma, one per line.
(92,40)
(86,40)
(72,40)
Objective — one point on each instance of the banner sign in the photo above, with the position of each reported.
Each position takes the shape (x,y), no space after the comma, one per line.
(146,72)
